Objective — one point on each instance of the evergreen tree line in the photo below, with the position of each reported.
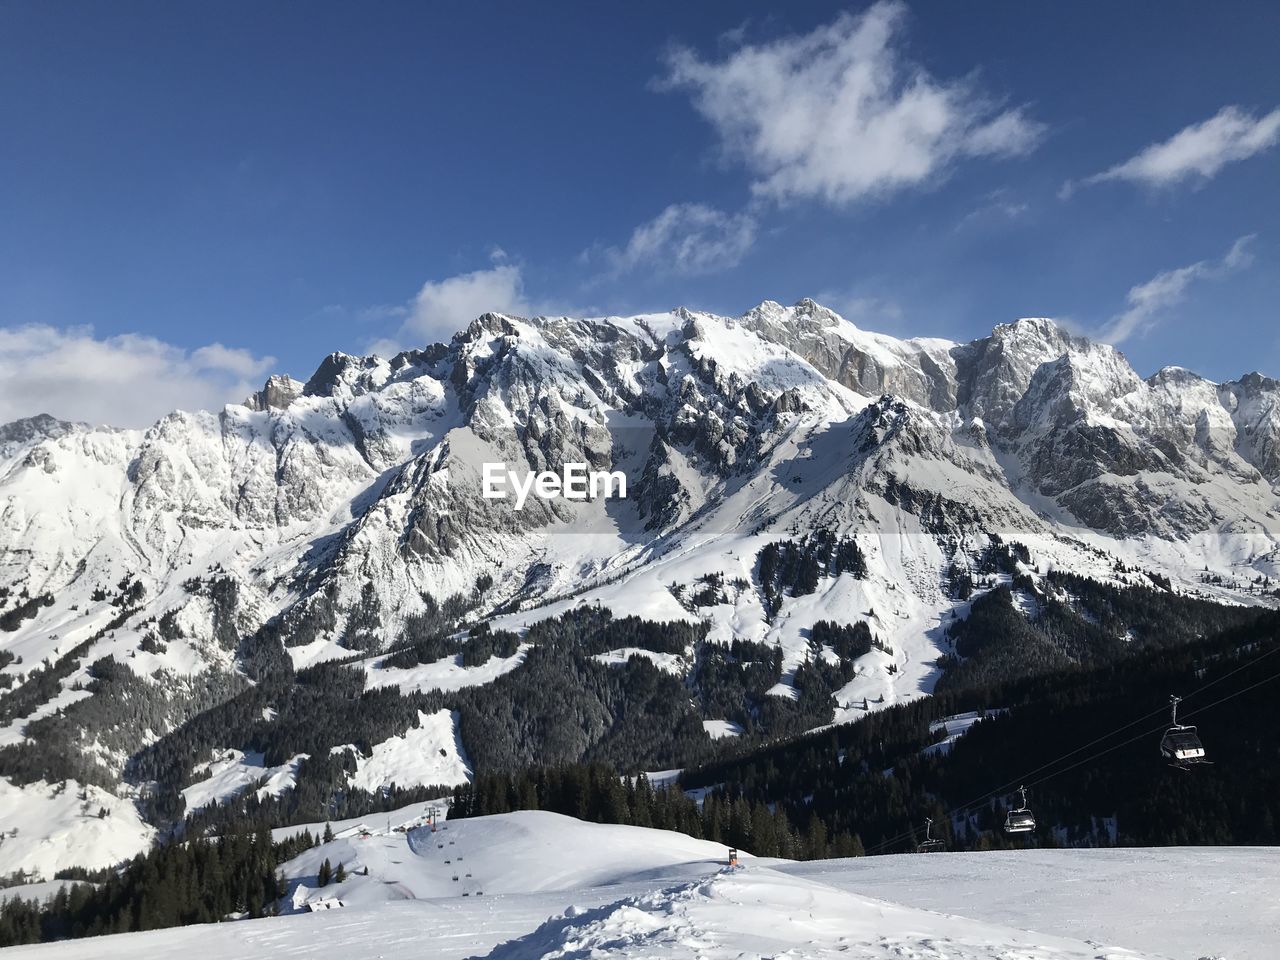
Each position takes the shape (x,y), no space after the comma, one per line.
(201,881)
(1076,620)
(558,706)
(878,777)
(11,620)
(588,630)
(848,641)
(795,567)
(596,793)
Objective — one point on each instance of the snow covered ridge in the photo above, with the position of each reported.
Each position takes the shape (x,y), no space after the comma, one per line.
(333,518)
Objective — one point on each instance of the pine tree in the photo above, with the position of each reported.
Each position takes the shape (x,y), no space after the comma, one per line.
(815,840)
(326,873)
(341,875)
(328,833)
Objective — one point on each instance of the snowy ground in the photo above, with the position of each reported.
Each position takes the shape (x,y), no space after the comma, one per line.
(542,885)
(46,827)
(1181,902)
(234,771)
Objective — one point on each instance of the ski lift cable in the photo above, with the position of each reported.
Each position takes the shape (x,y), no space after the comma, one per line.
(1026,777)
(906,834)
(1106,736)
(1140,736)
(1230,696)
(1031,783)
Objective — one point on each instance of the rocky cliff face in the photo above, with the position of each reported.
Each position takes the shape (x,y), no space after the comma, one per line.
(369,472)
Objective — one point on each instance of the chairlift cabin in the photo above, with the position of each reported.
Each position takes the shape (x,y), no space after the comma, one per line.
(930,843)
(1020,820)
(1180,744)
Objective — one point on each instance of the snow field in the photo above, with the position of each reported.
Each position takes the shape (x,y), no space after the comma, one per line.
(547,886)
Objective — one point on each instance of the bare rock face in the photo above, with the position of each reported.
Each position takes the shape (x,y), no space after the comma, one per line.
(1253,404)
(276,394)
(867,363)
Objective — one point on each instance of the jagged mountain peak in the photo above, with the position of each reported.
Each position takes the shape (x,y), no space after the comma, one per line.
(38,427)
(1172,375)
(277,393)
(341,372)
(1044,328)
(1255,382)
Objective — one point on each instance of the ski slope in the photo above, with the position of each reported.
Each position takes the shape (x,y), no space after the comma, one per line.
(543,885)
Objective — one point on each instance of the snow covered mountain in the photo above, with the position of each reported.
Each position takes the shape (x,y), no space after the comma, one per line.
(343,516)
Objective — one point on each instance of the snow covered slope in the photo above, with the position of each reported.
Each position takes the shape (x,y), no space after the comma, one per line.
(1177,901)
(46,827)
(556,887)
(525,852)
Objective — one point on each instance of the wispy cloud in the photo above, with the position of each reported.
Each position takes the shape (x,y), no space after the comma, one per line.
(127,381)
(998,206)
(877,314)
(1147,300)
(1197,152)
(443,307)
(685,239)
(839,114)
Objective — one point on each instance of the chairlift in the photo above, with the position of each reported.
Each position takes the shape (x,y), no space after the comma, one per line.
(1021,820)
(1180,744)
(930,843)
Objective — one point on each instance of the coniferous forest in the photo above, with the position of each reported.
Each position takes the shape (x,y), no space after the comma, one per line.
(200,881)
(1072,713)
(1084,740)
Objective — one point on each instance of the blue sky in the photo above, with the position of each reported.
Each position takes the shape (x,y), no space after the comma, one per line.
(194,195)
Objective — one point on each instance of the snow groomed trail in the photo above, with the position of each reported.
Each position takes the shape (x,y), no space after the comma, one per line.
(539,885)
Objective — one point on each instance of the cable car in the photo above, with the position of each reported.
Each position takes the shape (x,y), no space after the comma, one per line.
(1021,820)
(1180,744)
(929,844)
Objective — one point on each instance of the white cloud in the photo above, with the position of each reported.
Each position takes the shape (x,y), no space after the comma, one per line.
(1198,151)
(688,239)
(997,207)
(1167,289)
(840,115)
(443,307)
(129,380)
(877,314)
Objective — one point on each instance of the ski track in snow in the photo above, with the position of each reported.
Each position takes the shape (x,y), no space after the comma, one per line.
(539,885)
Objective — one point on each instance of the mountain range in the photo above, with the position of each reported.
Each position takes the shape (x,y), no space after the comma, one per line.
(790,477)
